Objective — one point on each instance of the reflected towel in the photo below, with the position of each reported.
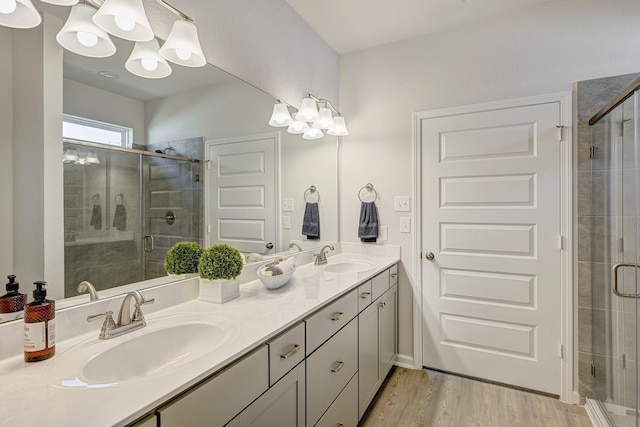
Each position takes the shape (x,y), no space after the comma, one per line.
(368,227)
(96,218)
(287,264)
(120,218)
(311,221)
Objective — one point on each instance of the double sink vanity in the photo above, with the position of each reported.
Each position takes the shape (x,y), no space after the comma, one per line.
(312,353)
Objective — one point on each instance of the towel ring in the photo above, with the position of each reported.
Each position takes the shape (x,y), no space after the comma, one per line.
(96,199)
(121,195)
(309,191)
(370,189)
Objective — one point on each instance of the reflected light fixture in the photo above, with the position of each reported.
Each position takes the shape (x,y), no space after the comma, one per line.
(70,156)
(19,14)
(145,61)
(125,19)
(182,46)
(61,2)
(92,159)
(309,120)
(80,35)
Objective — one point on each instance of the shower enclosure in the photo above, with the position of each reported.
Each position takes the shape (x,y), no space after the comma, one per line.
(615,264)
(123,210)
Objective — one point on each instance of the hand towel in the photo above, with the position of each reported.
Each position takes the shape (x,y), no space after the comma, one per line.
(311,221)
(368,227)
(287,264)
(96,217)
(120,218)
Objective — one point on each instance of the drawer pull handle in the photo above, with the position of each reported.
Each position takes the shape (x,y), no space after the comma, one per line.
(293,351)
(340,424)
(365,295)
(338,368)
(394,275)
(336,316)
(382,304)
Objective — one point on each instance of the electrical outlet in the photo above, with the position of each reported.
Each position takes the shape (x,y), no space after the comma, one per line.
(384,233)
(287,205)
(402,204)
(405,224)
(286,222)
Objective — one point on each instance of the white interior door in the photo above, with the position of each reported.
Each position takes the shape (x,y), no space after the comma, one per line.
(241,193)
(491,218)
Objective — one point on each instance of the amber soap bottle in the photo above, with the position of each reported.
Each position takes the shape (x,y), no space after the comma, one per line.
(39,326)
(12,303)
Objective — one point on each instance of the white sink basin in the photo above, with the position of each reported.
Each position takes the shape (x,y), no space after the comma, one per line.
(348,267)
(153,352)
(165,345)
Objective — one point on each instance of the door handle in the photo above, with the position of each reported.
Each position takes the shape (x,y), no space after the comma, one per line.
(615,280)
(148,247)
(269,245)
(429,256)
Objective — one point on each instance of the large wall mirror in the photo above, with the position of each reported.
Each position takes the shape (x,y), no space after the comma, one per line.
(202,165)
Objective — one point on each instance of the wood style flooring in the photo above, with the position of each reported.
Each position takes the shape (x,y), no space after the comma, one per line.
(412,398)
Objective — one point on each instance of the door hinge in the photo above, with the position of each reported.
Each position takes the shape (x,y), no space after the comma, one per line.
(593,152)
(561,241)
(420,255)
(621,243)
(561,351)
(208,228)
(561,129)
(197,177)
(208,162)
(593,370)
(624,361)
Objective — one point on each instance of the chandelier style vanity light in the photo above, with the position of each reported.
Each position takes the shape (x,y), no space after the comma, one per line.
(313,116)
(87,29)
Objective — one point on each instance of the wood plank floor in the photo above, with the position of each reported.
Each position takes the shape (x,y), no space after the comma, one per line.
(427,398)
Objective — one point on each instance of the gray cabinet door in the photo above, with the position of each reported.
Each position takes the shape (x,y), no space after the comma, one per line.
(387,330)
(368,360)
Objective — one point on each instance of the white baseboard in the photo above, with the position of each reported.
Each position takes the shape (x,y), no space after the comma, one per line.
(404,361)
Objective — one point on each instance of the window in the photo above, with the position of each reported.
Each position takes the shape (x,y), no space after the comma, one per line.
(94,131)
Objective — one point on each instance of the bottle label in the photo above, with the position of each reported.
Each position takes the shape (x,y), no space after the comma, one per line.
(51,333)
(35,336)
(7,317)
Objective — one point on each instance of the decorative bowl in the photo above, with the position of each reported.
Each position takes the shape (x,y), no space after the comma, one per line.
(274,282)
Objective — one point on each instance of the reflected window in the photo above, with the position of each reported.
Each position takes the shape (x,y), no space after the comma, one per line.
(82,129)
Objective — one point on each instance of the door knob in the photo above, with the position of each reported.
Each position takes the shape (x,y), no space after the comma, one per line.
(430,256)
(269,245)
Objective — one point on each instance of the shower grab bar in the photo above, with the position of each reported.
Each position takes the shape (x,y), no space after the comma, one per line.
(615,280)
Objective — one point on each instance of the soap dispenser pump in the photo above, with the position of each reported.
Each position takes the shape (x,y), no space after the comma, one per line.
(39,326)
(12,303)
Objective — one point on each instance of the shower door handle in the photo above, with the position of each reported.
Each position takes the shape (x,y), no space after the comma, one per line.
(615,280)
(148,243)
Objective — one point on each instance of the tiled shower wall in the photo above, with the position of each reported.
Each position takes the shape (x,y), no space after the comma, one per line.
(593,186)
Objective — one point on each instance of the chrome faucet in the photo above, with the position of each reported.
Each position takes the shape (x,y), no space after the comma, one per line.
(86,286)
(321,258)
(292,244)
(126,322)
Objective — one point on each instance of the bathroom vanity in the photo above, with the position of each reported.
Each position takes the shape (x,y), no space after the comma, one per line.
(313,353)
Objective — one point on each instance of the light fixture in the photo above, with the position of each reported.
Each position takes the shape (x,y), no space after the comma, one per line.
(80,35)
(145,61)
(125,19)
(298,127)
(312,133)
(308,111)
(19,14)
(182,46)
(61,2)
(324,120)
(280,117)
(339,127)
(92,159)
(70,156)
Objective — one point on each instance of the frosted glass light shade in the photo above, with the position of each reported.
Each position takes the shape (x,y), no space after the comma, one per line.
(70,156)
(125,19)
(19,14)
(145,61)
(308,111)
(298,127)
(313,133)
(92,159)
(280,116)
(61,2)
(339,127)
(324,120)
(80,35)
(183,45)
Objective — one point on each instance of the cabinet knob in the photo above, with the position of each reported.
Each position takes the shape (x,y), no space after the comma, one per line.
(336,316)
(365,295)
(382,304)
(394,275)
(338,367)
(291,352)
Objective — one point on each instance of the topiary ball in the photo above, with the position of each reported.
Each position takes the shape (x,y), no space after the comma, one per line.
(183,258)
(220,261)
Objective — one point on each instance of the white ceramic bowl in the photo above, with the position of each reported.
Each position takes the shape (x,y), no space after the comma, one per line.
(274,282)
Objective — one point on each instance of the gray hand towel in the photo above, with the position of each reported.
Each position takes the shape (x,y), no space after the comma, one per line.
(311,221)
(96,217)
(368,227)
(120,218)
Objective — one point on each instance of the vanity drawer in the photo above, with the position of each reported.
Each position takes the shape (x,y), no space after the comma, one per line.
(364,296)
(393,275)
(344,410)
(329,369)
(219,399)
(326,322)
(379,285)
(285,352)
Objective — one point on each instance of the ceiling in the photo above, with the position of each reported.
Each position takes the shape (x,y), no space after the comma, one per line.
(349,26)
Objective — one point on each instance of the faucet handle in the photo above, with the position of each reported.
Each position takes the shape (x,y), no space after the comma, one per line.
(107,327)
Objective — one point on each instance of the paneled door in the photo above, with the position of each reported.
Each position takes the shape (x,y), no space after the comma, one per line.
(491,244)
(241,193)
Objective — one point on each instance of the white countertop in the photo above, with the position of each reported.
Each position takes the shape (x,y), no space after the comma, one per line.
(30,396)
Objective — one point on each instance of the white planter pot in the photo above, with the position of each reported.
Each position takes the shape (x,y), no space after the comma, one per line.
(219,291)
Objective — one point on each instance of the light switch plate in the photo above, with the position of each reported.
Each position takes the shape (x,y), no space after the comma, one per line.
(287,205)
(286,222)
(405,224)
(402,204)
(384,233)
